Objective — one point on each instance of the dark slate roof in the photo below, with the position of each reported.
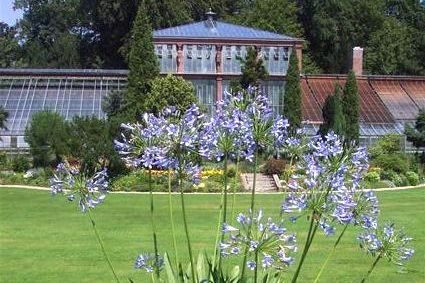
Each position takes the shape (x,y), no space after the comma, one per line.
(219,30)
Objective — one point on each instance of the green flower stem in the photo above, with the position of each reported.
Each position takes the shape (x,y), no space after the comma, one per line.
(225,190)
(170,205)
(224,208)
(254,181)
(256,267)
(371,268)
(309,240)
(217,238)
(330,254)
(155,241)
(186,229)
(245,256)
(102,247)
(234,189)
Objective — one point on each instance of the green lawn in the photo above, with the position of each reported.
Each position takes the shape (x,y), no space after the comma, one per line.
(45,239)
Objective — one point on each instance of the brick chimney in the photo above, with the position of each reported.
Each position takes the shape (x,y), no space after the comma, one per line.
(358,61)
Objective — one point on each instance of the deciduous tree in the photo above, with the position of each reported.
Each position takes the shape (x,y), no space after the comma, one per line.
(390,51)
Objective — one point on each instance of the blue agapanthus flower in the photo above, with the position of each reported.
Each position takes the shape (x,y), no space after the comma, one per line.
(259,235)
(387,242)
(227,132)
(167,141)
(269,132)
(148,262)
(326,183)
(89,192)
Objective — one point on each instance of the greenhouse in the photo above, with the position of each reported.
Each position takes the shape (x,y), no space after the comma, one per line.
(208,54)
(386,103)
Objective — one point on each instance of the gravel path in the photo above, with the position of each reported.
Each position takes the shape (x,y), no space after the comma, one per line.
(164,193)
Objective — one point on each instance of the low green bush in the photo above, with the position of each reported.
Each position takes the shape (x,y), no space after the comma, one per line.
(138,181)
(3,161)
(388,144)
(20,163)
(398,179)
(372,177)
(274,166)
(36,177)
(396,162)
(231,170)
(413,178)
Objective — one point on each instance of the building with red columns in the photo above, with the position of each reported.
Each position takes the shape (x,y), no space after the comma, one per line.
(209,53)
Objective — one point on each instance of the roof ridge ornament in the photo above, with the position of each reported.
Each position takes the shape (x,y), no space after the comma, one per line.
(211,22)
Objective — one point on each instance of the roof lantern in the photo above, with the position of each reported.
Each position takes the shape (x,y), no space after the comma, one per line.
(210,19)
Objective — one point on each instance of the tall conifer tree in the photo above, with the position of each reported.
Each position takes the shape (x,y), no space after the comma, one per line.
(333,116)
(292,98)
(143,64)
(253,69)
(351,108)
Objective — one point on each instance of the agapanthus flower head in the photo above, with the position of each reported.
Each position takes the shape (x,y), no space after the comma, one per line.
(228,132)
(148,262)
(167,141)
(268,131)
(89,192)
(388,242)
(327,183)
(367,210)
(326,227)
(259,235)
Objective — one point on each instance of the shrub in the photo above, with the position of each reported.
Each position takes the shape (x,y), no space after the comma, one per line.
(3,160)
(38,177)
(274,166)
(397,180)
(210,186)
(47,135)
(372,177)
(20,163)
(231,171)
(91,144)
(170,90)
(388,144)
(412,177)
(397,162)
(138,181)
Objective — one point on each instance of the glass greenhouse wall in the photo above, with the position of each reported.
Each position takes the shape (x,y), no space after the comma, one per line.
(23,96)
(80,93)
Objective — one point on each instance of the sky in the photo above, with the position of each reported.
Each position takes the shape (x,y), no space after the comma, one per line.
(7,14)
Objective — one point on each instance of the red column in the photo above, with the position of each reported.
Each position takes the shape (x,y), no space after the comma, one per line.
(219,72)
(180,59)
(219,88)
